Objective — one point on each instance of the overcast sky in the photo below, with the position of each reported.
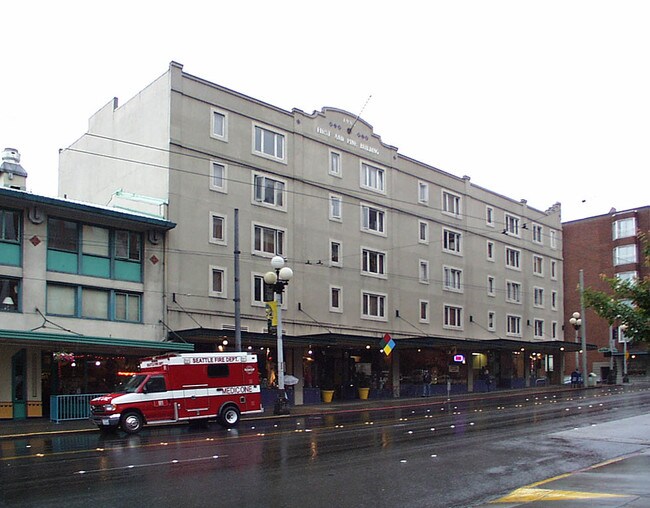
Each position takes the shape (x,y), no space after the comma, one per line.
(540,100)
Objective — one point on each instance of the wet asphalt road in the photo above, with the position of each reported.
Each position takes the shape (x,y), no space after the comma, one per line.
(433,454)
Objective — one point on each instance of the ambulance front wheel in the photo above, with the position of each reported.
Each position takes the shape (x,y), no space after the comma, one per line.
(132,422)
(229,416)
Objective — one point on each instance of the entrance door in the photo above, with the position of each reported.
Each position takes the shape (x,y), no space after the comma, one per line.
(19,384)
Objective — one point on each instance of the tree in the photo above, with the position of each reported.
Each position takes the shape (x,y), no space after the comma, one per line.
(628,302)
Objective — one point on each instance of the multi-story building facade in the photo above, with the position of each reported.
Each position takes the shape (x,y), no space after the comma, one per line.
(80,293)
(605,245)
(378,242)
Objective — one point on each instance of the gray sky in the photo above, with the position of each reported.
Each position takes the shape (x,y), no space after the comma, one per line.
(539,100)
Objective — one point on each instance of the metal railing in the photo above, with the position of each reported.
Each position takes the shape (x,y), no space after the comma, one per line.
(71,407)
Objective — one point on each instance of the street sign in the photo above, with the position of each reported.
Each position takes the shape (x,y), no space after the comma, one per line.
(387,344)
(604,350)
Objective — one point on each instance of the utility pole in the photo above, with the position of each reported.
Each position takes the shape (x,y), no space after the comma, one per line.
(237,298)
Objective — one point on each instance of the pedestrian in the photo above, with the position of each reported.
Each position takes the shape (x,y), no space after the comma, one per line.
(575,378)
(487,378)
(426,383)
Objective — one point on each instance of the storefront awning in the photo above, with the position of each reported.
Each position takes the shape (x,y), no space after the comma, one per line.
(89,344)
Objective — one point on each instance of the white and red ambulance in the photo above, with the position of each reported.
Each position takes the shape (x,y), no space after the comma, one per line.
(183,387)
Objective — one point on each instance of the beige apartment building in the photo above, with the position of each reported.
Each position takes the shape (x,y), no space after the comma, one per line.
(461,277)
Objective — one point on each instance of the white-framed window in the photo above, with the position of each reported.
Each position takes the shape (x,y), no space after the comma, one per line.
(257,289)
(538,297)
(336,253)
(538,265)
(373,306)
(217,229)
(552,238)
(424,311)
(491,320)
(554,328)
(451,241)
(624,228)
(423,274)
(512,224)
(423,232)
(538,233)
(451,203)
(489,216)
(490,250)
(423,193)
(373,219)
(630,276)
(554,300)
(268,191)
(513,325)
(335,165)
(373,178)
(268,240)
(373,263)
(218,176)
(217,278)
(553,269)
(269,143)
(513,258)
(539,328)
(625,254)
(336,208)
(219,124)
(336,299)
(513,291)
(491,286)
(452,317)
(452,279)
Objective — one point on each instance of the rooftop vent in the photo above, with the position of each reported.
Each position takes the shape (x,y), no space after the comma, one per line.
(12,173)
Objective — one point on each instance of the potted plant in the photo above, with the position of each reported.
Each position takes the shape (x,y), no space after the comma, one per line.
(327,390)
(364,386)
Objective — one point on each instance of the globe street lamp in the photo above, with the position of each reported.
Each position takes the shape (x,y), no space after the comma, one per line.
(576,322)
(278,280)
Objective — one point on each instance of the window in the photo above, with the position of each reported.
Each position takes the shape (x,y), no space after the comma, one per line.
(94,303)
(538,265)
(268,240)
(10,237)
(373,306)
(512,224)
(552,236)
(513,325)
(218,177)
(491,320)
(336,207)
(268,191)
(128,307)
(62,235)
(373,262)
(538,234)
(451,241)
(513,292)
(424,311)
(336,304)
(335,164)
(372,219)
(257,293)
(9,294)
(452,279)
(372,178)
(538,300)
(624,228)
(490,251)
(335,253)
(539,328)
(630,276)
(453,317)
(513,258)
(217,229)
(554,300)
(61,300)
(554,326)
(219,370)
(624,255)
(424,272)
(423,232)
(450,203)
(219,125)
(268,143)
(217,278)
(423,193)
(489,216)
(553,269)
(491,286)
(155,384)
(95,241)
(128,245)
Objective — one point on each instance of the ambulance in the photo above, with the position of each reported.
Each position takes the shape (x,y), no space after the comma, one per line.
(182,388)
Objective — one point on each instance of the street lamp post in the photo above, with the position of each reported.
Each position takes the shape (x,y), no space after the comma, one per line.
(621,334)
(576,322)
(278,279)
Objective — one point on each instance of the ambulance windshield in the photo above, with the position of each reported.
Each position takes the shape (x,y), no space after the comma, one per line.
(131,384)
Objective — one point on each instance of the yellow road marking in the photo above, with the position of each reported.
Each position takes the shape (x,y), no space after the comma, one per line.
(528,494)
